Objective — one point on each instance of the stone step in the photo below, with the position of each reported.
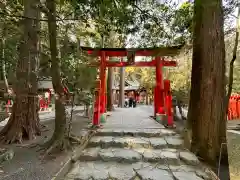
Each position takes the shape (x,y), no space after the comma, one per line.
(137,132)
(99,170)
(125,155)
(136,142)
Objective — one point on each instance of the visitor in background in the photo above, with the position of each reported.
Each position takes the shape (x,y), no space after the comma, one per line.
(126,101)
(46,97)
(41,102)
(131,99)
(137,98)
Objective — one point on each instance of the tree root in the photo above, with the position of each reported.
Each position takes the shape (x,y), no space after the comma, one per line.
(74,139)
(52,146)
(93,127)
(32,145)
(20,128)
(44,128)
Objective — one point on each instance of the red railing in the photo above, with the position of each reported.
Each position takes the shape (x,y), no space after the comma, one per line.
(234,107)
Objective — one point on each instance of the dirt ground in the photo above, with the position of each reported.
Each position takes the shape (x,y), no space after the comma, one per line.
(26,164)
(234,155)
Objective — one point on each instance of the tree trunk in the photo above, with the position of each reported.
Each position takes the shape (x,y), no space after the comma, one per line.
(58,139)
(121,89)
(147,98)
(179,106)
(230,75)
(24,120)
(109,90)
(87,114)
(209,125)
(3,62)
(191,131)
(3,75)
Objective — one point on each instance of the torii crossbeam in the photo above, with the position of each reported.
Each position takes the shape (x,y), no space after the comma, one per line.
(158,62)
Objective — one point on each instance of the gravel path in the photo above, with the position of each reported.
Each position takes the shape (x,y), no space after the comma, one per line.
(233,155)
(47,115)
(26,165)
(132,146)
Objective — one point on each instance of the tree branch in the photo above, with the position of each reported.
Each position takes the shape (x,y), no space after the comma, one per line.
(230,78)
(26,17)
(152,17)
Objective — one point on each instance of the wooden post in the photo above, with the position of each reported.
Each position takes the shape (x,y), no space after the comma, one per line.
(97,105)
(103,83)
(168,97)
(155,101)
(159,87)
(122,85)
(158,63)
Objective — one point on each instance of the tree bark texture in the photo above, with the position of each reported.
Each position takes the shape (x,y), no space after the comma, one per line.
(2,56)
(121,89)
(58,138)
(231,66)
(194,102)
(3,75)
(208,115)
(109,90)
(24,120)
(147,97)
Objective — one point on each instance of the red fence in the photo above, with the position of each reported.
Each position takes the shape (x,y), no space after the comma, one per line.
(234,107)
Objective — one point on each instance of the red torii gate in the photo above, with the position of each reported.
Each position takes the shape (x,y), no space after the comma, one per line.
(162,96)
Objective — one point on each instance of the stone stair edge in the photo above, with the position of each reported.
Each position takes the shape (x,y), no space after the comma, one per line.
(173,156)
(137,167)
(136,133)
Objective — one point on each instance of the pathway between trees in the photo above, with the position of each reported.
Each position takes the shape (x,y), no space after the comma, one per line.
(133,146)
(48,115)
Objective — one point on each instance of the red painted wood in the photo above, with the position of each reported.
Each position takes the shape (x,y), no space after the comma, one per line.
(155,101)
(168,100)
(161,100)
(234,107)
(96,110)
(103,83)
(136,64)
(120,52)
(159,87)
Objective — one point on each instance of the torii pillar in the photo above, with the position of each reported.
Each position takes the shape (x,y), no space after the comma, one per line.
(103,83)
(159,89)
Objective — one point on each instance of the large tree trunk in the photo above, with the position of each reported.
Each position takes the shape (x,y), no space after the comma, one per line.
(3,75)
(109,90)
(58,140)
(24,120)
(2,56)
(209,125)
(231,66)
(147,97)
(121,88)
(191,131)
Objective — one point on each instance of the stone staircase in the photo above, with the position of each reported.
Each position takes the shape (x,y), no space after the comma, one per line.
(142,154)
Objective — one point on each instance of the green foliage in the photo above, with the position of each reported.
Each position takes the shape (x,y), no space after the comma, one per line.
(10,31)
(133,23)
(84,98)
(182,23)
(108,15)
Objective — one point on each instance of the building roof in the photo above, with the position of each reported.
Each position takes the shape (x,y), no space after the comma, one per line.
(126,88)
(45,84)
(130,84)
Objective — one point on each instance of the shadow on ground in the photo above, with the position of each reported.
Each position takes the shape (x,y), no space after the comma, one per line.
(26,164)
(224,165)
(233,140)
